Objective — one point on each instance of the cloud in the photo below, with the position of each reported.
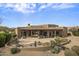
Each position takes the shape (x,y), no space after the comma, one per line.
(63,6)
(21,7)
(25,8)
(32,7)
(44,5)
(56,6)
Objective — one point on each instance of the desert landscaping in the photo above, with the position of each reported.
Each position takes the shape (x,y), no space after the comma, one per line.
(37,51)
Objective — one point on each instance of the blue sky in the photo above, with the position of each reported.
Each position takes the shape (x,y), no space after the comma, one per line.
(21,14)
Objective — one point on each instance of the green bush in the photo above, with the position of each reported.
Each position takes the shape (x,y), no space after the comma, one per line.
(52,43)
(58,40)
(15,50)
(75,49)
(8,37)
(56,50)
(66,42)
(75,33)
(4,38)
(58,44)
(69,52)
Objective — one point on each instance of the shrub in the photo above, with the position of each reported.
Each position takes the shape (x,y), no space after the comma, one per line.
(39,43)
(1,53)
(58,44)
(15,50)
(46,44)
(35,44)
(64,40)
(58,40)
(75,49)
(68,34)
(69,52)
(68,41)
(75,33)
(56,50)
(4,38)
(52,43)
(8,37)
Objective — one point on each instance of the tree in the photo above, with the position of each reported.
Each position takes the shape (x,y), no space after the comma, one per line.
(1,20)
(8,37)
(58,44)
(5,29)
(4,38)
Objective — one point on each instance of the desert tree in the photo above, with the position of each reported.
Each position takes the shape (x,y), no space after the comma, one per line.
(1,19)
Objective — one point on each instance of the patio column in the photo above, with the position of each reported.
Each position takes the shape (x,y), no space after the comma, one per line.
(31,32)
(26,33)
(48,34)
(38,34)
(54,33)
(21,33)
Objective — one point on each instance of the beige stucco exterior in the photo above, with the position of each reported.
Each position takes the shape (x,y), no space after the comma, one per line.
(41,31)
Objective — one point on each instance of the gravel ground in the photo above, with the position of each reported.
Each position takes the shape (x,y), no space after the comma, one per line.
(25,52)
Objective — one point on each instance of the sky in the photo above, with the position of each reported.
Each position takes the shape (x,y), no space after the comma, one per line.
(21,14)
